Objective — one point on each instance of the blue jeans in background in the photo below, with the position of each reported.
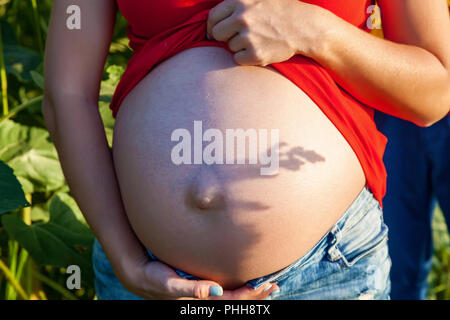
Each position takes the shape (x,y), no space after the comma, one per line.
(351,261)
(418,165)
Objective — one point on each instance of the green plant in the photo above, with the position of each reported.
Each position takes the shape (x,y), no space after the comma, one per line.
(439,278)
(42,230)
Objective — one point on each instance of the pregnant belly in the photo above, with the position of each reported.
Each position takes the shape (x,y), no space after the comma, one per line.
(229,222)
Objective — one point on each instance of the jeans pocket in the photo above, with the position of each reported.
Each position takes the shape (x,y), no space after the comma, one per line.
(350,261)
(362,240)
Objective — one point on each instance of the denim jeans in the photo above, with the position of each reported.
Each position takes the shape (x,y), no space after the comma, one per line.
(351,261)
(418,167)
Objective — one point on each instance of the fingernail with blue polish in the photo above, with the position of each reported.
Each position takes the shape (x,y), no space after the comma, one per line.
(215,291)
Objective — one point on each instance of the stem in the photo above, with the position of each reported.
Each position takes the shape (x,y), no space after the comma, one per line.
(33,286)
(13,248)
(54,285)
(3,77)
(38,26)
(19,108)
(29,277)
(1,281)
(12,280)
(23,256)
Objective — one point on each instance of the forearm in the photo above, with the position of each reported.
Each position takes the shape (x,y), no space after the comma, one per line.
(76,128)
(402,80)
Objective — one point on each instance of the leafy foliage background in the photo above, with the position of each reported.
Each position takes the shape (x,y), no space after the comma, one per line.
(42,230)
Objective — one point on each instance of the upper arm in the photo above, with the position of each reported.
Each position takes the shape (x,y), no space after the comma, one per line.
(74,59)
(424,24)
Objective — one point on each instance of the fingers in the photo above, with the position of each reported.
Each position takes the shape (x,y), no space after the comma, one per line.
(226,24)
(248,57)
(220,12)
(203,289)
(199,289)
(247,293)
(238,43)
(225,30)
(162,282)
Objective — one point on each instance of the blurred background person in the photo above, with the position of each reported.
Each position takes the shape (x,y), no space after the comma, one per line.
(417,161)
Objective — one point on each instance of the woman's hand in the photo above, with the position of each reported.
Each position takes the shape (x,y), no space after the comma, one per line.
(262,32)
(155,280)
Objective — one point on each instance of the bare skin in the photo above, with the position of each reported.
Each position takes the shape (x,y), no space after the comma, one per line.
(255,224)
(74,64)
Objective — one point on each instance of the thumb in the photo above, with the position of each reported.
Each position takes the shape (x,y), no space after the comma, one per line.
(200,289)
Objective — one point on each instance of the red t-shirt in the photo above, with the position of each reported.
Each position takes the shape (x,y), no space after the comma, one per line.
(160,29)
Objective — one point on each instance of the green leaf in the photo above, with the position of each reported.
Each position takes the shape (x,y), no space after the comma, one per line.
(63,206)
(38,79)
(62,241)
(109,136)
(108,121)
(108,86)
(29,151)
(11,193)
(106,114)
(38,213)
(107,90)
(19,61)
(114,73)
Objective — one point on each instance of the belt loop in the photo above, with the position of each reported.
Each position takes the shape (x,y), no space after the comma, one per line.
(334,229)
(337,233)
(333,251)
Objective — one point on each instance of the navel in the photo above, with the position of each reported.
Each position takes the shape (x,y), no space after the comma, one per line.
(205,191)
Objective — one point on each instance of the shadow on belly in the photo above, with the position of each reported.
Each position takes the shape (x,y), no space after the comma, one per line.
(229,222)
(206,191)
(214,221)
